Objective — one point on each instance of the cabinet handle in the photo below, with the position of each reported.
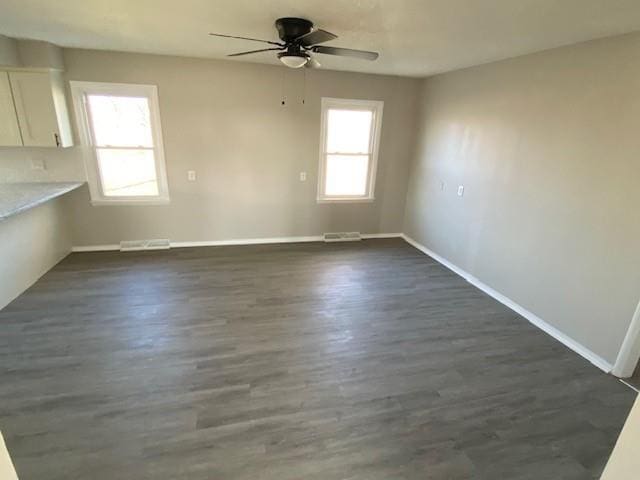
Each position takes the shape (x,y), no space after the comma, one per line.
(55,135)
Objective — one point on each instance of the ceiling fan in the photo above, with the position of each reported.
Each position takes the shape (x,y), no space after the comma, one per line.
(299,41)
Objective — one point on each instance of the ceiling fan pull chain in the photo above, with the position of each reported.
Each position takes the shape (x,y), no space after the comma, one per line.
(304,85)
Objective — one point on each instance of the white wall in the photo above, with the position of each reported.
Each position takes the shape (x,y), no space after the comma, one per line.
(546,146)
(225,120)
(7,471)
(624,463)
(32,242)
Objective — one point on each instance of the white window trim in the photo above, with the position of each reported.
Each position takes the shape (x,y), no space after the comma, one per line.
(376,106)
(79,90)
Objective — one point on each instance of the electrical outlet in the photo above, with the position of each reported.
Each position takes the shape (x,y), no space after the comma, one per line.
(303,176)
(191,175)
(460,190)
(38,164)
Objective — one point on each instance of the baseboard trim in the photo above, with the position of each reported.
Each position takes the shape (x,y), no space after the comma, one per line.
(95,248)
(241,241)
(246,241)
(381,235)
(563,338)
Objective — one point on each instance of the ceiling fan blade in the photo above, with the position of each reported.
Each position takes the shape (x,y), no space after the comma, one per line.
(346,52)
(315,37)
(253,51)
(246,38)
(312,63)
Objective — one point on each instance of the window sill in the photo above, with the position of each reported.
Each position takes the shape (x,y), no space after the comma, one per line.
(130,202)
(345,200)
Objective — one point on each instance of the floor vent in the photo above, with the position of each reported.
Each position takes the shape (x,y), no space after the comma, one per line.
(342,237)
(136,245)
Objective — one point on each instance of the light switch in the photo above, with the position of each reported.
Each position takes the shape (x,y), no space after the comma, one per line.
(460,190)
(443,186)
(191,175)
(303,176)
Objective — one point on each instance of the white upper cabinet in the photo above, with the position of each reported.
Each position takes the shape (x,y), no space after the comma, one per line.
(41,109)
(9,130)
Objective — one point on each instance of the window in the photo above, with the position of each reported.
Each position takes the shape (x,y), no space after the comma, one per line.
(121,125)
(348,149)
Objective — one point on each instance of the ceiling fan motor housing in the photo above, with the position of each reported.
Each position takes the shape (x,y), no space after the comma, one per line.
(290,28)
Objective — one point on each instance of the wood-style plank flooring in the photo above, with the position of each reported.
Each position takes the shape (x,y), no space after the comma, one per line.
(365,361)
(634,380)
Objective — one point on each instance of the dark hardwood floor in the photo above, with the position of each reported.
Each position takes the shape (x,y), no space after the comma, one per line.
(634,380)
(303,361)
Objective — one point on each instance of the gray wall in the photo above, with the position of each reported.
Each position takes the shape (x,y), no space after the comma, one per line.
(32,242)
(59,164)
(225,120)
(9,55)
(29,53)
(547,147)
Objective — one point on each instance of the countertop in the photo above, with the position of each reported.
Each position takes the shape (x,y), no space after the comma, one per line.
(18,197)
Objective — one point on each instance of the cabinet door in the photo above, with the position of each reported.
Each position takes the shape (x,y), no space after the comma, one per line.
(9,131)
(36,110)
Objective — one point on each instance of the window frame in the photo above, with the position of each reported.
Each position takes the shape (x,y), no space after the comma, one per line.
(376,107)
(79,91)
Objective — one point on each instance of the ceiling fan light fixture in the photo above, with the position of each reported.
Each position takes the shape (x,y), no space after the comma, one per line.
(298,40)
(294,60)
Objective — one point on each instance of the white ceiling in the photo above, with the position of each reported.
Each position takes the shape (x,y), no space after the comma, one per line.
(414,37)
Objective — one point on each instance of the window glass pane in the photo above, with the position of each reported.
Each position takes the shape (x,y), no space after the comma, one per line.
(348,131)
(127,172)
(120,121)
(346,175)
